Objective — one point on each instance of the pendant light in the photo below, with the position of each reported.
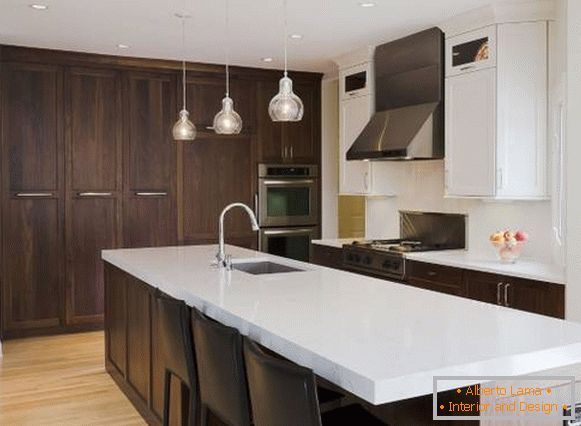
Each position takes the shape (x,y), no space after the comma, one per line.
(227,121)
(286,106)
(184,129)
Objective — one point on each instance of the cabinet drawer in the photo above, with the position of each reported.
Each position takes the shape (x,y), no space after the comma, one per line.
(434,273)
(331,257)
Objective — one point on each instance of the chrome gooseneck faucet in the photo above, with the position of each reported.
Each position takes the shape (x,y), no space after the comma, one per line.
(221,256)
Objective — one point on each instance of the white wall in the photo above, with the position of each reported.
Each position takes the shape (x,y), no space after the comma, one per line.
(330,157)
(573,294)
(420,186)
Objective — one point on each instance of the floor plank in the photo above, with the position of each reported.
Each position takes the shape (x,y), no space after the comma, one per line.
(60,380)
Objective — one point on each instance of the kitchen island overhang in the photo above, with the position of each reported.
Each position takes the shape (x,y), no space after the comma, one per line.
(379,340)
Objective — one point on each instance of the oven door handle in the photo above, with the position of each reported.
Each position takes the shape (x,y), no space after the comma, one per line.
(290,182)
(288,232)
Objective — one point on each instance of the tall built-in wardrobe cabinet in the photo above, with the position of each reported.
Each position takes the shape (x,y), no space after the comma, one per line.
(88,163)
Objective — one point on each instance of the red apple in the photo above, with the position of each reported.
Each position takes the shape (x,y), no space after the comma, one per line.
(521,236)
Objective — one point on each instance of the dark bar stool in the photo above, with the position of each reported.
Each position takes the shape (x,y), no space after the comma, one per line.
(285,394)
(178,355)
(221,373)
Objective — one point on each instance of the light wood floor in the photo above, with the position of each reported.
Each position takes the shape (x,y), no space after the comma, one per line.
(60,380)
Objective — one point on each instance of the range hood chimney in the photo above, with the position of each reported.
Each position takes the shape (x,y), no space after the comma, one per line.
(409,101)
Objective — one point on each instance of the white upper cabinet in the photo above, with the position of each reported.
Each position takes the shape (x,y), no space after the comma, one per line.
(354,176)
(356,104)
(471,134)
(496,114)
(355,81)
(471,51)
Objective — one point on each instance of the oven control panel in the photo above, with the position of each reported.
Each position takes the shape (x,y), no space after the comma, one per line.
(385,264)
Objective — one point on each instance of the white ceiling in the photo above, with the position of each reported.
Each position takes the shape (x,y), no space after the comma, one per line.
(330,27)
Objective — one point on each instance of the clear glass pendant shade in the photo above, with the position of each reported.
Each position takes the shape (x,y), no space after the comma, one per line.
(184,129)
(227,121)
(286,106)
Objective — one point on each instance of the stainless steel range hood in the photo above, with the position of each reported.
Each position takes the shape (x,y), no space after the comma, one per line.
(409,100)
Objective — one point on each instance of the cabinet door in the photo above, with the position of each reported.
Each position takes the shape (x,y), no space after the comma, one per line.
(537,297)
(268,132)
(355,81)
(32,188)
(302,138)
(93,154)
(31,127)
(470,134)
(32,264)
(116,317)
(138,336)
(522,110)
(149,213)
(218,172)
(484,287)
(354,176)
(471,51)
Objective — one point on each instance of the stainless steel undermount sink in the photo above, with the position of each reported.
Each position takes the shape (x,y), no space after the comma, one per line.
(263,267)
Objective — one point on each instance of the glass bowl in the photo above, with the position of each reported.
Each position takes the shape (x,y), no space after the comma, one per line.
(509,252)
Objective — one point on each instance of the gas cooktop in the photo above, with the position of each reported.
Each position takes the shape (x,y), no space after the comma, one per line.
(398,245)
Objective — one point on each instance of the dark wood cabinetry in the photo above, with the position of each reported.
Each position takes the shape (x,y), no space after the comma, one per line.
(300,138)
(93,186)
(217,172)
(518,293)
(32,198)
(331,257)
(293,142)
(88,163)
(149,213)
(443,279)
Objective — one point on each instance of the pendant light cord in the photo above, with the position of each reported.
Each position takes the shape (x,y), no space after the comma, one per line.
(227,47)
(285,37)
(184,58)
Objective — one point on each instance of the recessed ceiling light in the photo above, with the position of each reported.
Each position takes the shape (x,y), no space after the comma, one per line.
(367,4)
(296,36)
(123,46)
(39,6)
(268,59)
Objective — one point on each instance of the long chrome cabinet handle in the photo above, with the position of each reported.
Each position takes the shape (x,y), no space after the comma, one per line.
(289,182)
(33,194)
(498,287)
(289,231)
(506,286)
(95,194)
(151,194)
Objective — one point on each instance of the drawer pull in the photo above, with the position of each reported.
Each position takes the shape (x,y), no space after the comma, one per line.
(33,194)
(498,287)
(95,194)
(151,194)
(506,302)
(432,274)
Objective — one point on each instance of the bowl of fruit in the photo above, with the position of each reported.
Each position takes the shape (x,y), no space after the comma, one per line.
(509,244)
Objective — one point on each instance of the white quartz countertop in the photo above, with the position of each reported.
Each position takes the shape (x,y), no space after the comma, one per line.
(523,268)
(465,259)
(380,340)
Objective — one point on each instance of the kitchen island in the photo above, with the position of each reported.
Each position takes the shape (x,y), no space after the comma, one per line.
(381,341)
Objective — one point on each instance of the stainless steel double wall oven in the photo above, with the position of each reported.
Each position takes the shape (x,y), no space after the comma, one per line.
(288,209)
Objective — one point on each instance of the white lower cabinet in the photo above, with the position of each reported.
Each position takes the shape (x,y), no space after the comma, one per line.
(354,176)
(496,120)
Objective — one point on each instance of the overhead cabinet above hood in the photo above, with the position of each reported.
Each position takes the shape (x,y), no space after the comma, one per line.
(409,101)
